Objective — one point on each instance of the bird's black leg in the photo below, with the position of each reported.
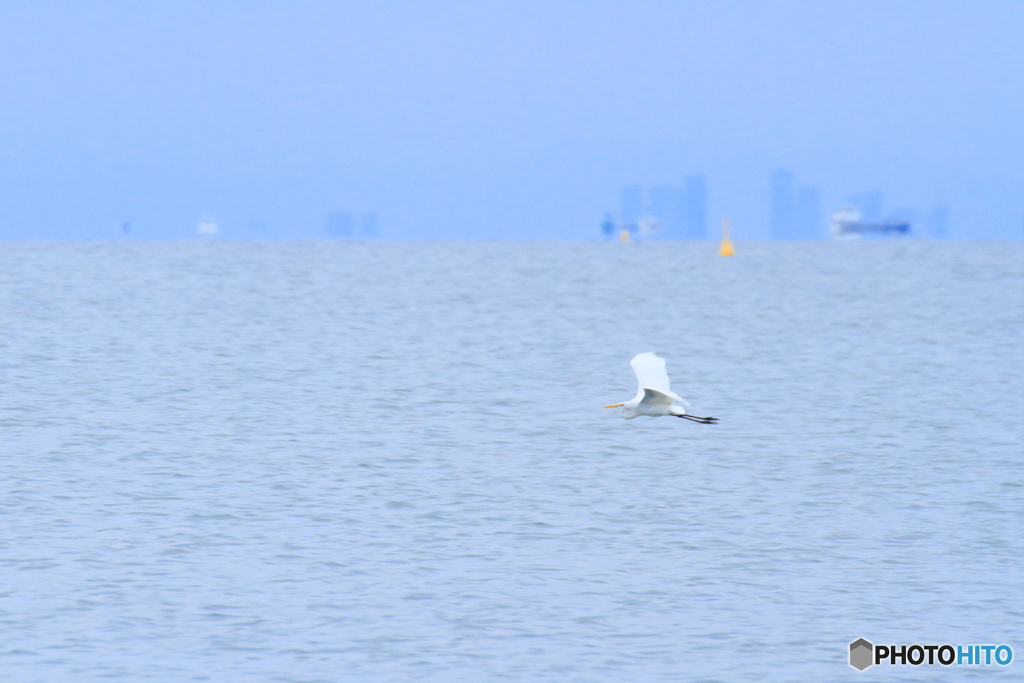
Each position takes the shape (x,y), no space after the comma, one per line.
(700,420)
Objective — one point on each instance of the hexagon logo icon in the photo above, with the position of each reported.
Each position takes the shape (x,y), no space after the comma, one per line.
(862,654)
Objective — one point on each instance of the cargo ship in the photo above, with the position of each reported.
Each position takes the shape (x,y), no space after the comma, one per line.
(848,223)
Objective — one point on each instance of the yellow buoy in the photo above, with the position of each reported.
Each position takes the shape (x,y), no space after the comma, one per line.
(624,236)
(726,248)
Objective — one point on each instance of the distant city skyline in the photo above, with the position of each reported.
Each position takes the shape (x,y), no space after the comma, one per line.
(467,120)
(680,212)
(796,212)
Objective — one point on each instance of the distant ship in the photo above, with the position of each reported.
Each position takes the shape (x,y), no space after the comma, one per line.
(848,223)
(207,227)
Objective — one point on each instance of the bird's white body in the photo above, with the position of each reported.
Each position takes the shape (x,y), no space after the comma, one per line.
(651,403)
(654,396)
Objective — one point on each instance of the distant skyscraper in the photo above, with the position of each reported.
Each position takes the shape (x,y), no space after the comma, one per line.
(783,205)
(679,213)
(693,216)
(795,210)
(869,204)
(807,223)
(632,203)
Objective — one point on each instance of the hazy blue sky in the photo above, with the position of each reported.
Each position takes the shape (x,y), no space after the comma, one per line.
(498,119)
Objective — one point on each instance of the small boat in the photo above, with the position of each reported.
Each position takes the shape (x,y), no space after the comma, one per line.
(848,223)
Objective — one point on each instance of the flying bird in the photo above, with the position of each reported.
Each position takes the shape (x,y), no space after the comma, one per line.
(655,398)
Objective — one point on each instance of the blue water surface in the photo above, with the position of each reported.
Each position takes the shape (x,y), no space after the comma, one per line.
(346,461)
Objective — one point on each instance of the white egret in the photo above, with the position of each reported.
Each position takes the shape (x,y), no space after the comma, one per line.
(655,398)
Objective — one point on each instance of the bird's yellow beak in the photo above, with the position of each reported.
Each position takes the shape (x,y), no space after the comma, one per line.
(614,405)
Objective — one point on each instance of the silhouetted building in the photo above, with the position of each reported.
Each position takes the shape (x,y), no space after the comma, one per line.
(682,212)
(675,212)
(796,212)
(807,220)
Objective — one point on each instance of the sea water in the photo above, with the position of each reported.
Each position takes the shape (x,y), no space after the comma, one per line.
(338,461)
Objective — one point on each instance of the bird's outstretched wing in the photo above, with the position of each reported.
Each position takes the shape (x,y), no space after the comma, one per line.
(651,374)
(655,397)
